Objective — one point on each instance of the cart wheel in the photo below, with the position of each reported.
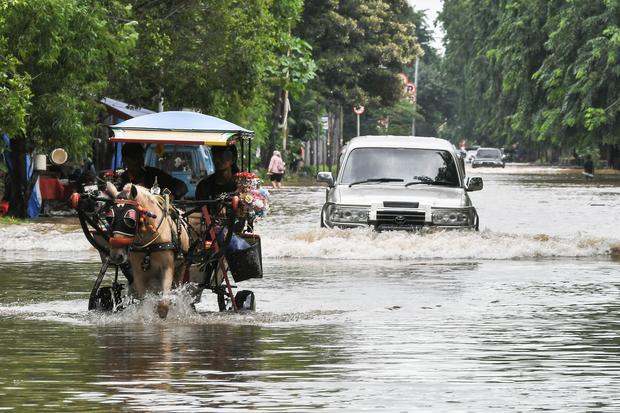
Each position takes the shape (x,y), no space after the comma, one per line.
(107,299)
(104,300)
(245,300)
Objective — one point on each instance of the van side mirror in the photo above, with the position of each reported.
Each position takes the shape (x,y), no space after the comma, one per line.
(325,177)
(474,184)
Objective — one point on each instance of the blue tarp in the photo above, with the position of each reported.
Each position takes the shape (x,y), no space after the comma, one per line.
(34,203)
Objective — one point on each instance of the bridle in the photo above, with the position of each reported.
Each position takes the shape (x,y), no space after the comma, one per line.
(125,231)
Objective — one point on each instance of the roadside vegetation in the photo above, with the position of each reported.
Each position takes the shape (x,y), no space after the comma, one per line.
(542,77)
(7,220)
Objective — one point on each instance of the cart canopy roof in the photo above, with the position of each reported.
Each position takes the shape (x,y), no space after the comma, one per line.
(179,128)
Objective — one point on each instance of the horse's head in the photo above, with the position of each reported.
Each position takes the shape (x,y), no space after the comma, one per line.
(124,218)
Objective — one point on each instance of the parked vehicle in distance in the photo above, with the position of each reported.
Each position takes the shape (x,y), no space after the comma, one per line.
(189,163)
(399,183)
(488,157)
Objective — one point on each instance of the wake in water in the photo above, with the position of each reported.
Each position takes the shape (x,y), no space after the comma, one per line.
(75,312)
(49,242)
(365,244)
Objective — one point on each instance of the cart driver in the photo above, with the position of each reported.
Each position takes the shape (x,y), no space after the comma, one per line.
(137,173)
(223,180)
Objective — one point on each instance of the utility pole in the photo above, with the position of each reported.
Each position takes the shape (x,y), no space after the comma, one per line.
(415,97)
(160,100)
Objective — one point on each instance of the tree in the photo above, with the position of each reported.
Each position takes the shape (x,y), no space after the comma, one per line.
(59,54)
(290,70)
(360,48)
(219,57)
(543,73)
(434,98)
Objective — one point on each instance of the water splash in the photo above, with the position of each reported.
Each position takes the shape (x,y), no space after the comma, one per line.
(45,242)
(43,237)
(364,244)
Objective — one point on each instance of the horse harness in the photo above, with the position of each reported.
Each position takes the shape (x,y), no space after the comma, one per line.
(131,213)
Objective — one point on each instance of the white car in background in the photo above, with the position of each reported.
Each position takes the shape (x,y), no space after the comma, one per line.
(488,157)
(399,183)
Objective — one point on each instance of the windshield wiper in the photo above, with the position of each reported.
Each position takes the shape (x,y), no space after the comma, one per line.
(427,180)
(376,180)
(424,180)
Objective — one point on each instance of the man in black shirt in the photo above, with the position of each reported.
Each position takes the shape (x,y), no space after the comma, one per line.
(137,173)
(223,180)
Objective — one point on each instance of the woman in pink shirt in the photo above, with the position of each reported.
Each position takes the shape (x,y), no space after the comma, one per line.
(276,169)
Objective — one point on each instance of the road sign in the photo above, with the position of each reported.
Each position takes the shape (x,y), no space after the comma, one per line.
(410,88)
(358,110)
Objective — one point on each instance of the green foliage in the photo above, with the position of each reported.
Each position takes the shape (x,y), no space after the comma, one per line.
(216,56)
(293,68)
(360,47)
(61,52)
(303,120)
(534,71)
(595,118)
(15,97)
(11,221)
(435,99)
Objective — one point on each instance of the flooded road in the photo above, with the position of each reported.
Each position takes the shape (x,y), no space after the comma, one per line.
(523,315)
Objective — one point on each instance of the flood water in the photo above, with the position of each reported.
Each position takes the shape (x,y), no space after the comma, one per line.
(523,315)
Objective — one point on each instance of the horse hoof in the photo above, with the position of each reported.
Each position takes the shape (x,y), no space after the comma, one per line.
(162,310)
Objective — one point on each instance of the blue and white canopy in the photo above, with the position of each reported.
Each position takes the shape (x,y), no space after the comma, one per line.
(178,128)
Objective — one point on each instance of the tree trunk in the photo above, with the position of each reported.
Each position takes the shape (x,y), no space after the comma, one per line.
(18,177)
(613,156)
(276,118)
(284,124)
(334,134)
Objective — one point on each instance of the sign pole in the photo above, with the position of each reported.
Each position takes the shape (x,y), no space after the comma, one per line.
(415,83)
(358,110)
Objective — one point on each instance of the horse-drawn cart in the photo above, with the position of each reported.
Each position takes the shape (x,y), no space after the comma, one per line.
(158,242)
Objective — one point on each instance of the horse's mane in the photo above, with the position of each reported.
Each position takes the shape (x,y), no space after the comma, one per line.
(143,196)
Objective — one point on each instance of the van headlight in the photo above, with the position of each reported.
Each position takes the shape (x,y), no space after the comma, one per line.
(452,216)
(347,214)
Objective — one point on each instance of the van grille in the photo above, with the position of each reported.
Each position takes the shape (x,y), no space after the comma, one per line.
(400,218)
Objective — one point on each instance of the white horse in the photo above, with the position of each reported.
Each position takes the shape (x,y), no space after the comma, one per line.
(149,233)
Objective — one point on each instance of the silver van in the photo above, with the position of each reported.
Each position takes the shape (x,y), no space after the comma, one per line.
(399,183)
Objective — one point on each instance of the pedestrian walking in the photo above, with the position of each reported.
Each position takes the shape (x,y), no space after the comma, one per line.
(276,169)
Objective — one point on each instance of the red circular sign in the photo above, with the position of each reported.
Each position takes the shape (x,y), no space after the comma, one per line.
(358,110)
(410,89)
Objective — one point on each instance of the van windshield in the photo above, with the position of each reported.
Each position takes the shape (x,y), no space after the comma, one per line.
(399,165)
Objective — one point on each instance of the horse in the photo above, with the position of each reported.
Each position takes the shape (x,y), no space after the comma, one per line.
(148,233)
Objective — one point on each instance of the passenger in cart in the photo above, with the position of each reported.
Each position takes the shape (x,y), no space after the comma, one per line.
(138,174)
